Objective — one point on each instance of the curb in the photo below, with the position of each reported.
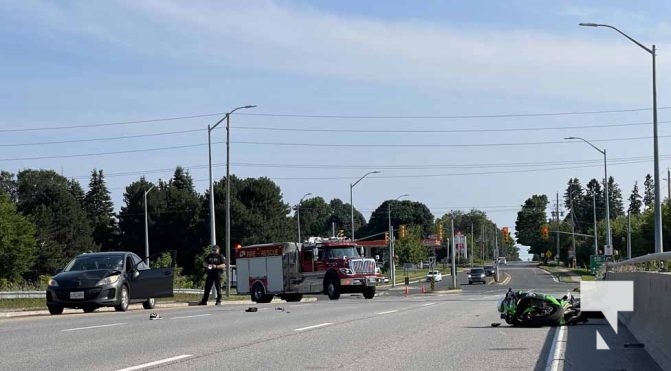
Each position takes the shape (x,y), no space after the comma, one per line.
(506,280)
(136,307)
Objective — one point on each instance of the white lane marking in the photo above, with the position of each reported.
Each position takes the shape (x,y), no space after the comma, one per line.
(315,326)
(195,315)
(427,304)
(155,363)
(90,327)
(556,356)
(389,311)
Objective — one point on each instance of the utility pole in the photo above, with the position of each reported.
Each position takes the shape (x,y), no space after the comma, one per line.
(596,243)
(482,242)
(472,244)
(557,211)
(572,223)
(454,263)
(628,235)
(668,183)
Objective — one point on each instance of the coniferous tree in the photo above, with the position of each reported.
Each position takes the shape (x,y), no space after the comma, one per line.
(100,212)
(648,191)
(635,202)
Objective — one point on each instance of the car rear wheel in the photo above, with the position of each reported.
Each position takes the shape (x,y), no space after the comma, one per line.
(55,309)
(123,300)
(149,303)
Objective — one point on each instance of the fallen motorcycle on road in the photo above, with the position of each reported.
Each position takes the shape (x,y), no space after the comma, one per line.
(530,309)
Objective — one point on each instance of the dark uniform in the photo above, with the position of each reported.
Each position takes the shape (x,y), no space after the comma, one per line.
(213,276)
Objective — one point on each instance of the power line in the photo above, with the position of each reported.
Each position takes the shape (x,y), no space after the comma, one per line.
(617,160)
(175,118)
(504,115)
(330,130)
(341,130)
(370,145)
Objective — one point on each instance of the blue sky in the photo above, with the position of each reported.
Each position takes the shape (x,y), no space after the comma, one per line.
(418,67)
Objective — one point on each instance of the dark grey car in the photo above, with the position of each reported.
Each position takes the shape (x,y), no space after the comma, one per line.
(102,279)
(477,275)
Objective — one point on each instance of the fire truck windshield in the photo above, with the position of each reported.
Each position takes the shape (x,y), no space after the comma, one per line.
(341,252)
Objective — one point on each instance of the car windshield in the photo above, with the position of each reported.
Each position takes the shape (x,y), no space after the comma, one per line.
(477,271)
(87,263)
(340,252)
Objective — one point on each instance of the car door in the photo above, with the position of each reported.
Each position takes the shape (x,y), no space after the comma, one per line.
(150,283)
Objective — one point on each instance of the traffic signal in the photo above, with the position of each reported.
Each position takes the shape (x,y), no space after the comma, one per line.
(504,231)
(386,237)
(401,231)
(439,231)
(545,231)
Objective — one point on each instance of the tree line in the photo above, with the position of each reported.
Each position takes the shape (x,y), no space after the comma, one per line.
(46,219)
(579,206)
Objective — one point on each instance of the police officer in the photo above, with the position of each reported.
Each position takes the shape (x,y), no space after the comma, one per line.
(214,264)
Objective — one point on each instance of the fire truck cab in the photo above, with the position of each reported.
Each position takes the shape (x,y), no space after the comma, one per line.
(289,270)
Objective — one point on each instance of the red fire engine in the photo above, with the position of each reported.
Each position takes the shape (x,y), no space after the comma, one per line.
(289,270)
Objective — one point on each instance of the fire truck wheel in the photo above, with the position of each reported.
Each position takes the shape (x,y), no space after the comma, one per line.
(369,292)
(258,293)
(293,297)
(333,288)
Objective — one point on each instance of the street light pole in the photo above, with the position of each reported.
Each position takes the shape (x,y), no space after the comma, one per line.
(298,215)
(146,227)
(392,265)
(657,178)
(351,202)
(609,242)
(228,199)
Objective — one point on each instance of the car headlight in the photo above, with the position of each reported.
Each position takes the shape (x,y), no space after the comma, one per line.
(108,280)
(345,271)
(482,275)
(469,275)
(53,282)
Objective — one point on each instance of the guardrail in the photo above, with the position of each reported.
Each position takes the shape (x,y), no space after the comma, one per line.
(42,294)
(657,262)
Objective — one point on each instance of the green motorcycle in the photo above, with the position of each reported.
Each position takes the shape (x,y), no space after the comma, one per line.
(531,309)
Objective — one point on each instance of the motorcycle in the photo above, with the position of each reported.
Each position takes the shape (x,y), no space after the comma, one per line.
(530,309)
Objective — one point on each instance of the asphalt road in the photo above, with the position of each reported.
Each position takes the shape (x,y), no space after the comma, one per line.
(390,332)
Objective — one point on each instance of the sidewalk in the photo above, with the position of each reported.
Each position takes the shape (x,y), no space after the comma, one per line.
(563,274)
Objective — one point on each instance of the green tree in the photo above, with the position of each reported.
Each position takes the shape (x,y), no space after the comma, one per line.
(131,215)
(100,211)
(648,191)
(615,199)
(54,205)
(315,216)
(17,241)
(8,185)
(341,217)
(528,224)
(402,212)
(635,201)
(409,248)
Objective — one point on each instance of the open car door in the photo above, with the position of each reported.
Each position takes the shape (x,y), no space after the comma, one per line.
(151,283)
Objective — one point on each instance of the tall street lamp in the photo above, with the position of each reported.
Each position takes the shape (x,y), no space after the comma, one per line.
(146,227)
(658,195)
(228,198)
(605,170)
(351,186)
(391,243)
(298,214)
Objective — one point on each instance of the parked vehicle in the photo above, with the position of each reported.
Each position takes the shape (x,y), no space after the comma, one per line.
(477,275)
(104,279)
(435,275)
(290,270)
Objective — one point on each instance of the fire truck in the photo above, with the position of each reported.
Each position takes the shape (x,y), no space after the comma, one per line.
(289,270)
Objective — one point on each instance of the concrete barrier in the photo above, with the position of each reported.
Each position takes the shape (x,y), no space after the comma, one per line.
(650,322)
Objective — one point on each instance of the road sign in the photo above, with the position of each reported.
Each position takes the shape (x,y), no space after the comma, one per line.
(548,253)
